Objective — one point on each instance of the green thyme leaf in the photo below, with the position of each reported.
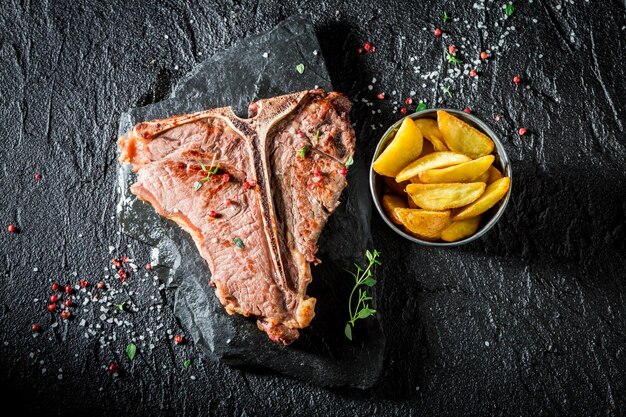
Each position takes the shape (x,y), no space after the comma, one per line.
(509,9)
(446,17)
(197,185)
(316,138)
(203,167)
(348,331)
(303,151)
(452,59)
(187,363)
(363,277)
(239,243)
(300,68)
(421,106)
(121,306)
(349,162)
(131,351)
(446,90)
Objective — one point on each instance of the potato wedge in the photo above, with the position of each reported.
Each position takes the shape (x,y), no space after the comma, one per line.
(463,138)
(465,172)
(494,175)
(430,130)
(424,223)
(405,147)
(390,203)
(483,177)
(396,187)
(492,195)
(432,161)
(445,196)
(456,231)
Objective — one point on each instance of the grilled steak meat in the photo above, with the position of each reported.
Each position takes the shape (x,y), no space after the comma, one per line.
(253,193)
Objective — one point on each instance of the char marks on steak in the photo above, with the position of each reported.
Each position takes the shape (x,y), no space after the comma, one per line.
(278,179)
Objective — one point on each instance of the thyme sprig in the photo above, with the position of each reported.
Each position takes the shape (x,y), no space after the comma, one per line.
(362,278)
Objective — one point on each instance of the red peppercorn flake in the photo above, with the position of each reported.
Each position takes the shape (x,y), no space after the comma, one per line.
(311,185)
(403,110)
(113,369)
(38,176)
(228,202)
(52,307)
(408,101)
(317,172)
(68,289)
(35,327)
(473,73)
(517,79)
(54,298)
(83,283)
(373,49)
(359,51)
(467,110)
(66,314)
(68,303)
(438,32)
(380,96)
(484,55)
(343,171)
(452,49)
(12,228)
(522,131)
(56,287)
(178,339)
(497,118)
(225,177)
(367,46)
(122,274)
(148,266)
(212,214)
(101,285)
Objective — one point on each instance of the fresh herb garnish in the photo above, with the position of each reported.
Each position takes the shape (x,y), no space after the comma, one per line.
(421,106)
(214,168)
(446,90)
(349,162)
(300,68)
(446,17)
(121,306)
(362,277)
(187,363)
(239,243)
(302,151)
(452,59)
(509,9)
(131,351)
(316,138)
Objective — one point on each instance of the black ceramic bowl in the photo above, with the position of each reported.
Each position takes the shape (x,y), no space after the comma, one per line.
(490,218)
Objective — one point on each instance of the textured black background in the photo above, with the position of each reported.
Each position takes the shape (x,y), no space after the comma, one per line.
(529,320)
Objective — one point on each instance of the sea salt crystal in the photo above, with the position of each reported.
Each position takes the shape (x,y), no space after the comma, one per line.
(103,317)
(82,323)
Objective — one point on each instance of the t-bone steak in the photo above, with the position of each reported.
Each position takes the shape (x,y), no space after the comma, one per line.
(253,193)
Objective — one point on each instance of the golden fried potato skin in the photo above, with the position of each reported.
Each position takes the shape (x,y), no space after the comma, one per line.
(461,229)
(430,130)
(445,196)
(465,172)
(494,193)
(494,175)
(431,161)
(405,147)
(390,203)
(424,223)
(463,138)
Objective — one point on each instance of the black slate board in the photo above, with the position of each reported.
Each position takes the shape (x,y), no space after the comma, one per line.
(259,67)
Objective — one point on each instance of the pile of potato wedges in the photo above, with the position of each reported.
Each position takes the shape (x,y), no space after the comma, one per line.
(438,189)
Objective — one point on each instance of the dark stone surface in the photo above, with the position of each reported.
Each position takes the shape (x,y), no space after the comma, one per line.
(322,355)
(545,289)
